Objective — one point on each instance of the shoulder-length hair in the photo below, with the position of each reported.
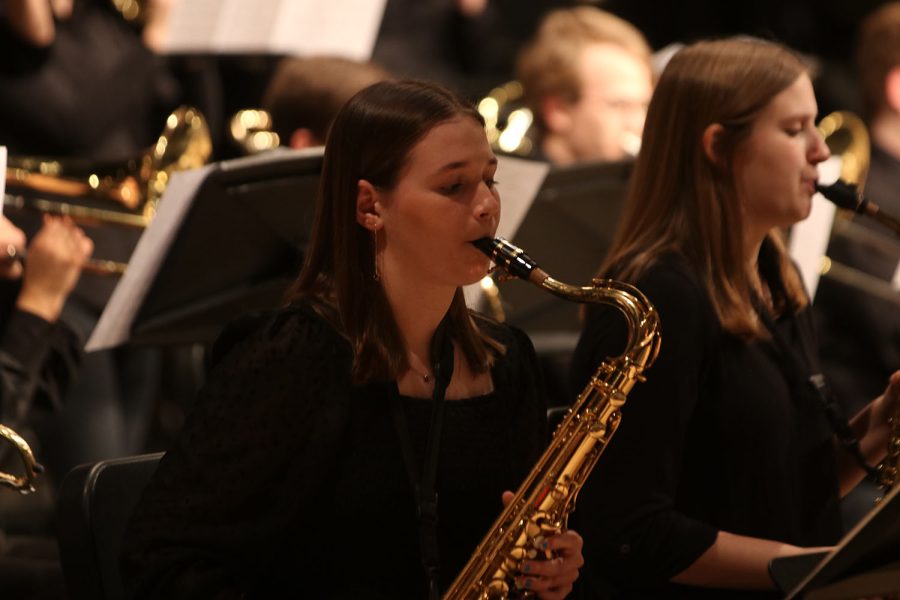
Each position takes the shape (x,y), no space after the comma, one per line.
(371,139)
(679,201)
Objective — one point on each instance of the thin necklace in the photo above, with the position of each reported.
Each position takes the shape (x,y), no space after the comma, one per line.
(425,375)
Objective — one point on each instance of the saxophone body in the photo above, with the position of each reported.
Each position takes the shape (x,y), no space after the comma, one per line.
(545,499)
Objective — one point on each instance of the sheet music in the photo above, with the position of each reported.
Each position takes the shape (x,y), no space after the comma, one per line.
(346,28)
(114,327)
(2,176)
(809,238)
(520,181)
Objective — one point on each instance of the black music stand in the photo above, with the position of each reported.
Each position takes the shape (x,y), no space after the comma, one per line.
(865,563)
(568,230)
(234,247)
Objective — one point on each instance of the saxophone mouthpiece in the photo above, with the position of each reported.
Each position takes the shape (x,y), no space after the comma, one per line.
(844,195)
(510,258)
(847,195)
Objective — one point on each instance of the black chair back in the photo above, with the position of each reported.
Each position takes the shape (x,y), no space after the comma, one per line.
(95,503)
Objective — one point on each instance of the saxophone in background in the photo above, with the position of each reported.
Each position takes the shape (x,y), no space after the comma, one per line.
(544,501)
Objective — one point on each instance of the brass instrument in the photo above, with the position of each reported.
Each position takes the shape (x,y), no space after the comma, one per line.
(251,130)
(888,470)
(122,194)
(506,122)
(847,136)
(23,483)
(543,502)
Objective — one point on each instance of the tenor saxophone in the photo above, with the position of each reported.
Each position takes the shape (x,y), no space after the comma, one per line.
(544,501)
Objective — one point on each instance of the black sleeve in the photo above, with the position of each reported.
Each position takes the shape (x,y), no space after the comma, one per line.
(223,510)
(520,379)
(626,510)
(530,385)
(38,360)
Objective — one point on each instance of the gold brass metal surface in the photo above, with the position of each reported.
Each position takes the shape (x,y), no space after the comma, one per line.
(118,194)
(543,502)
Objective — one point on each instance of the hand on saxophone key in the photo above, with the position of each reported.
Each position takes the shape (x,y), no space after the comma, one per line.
(552,578)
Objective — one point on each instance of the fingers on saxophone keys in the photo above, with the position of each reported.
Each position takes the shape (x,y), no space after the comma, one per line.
(541,568)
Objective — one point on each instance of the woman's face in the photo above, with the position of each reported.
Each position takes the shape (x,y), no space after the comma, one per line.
(775,167)
(445,198)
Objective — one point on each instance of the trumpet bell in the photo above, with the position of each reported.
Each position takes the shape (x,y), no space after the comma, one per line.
(121,194)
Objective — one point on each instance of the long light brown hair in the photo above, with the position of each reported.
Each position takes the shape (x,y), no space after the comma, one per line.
(679,201)
(372,138)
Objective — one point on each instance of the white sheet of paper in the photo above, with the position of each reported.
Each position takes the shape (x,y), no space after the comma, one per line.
(2,176)
(809,238)
(114,326)
(520,181)
(895,282)
(346,28)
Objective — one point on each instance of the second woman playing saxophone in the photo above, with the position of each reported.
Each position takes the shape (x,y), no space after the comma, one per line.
(732,453)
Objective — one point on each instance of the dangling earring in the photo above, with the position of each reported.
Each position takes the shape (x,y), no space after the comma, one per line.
(376,273)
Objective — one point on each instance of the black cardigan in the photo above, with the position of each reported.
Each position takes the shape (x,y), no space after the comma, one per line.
(287,480)
(719,437)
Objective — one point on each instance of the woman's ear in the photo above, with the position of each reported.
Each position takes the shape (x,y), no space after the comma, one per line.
(367,213)
(712,145)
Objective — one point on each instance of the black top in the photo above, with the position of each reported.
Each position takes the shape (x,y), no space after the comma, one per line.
(289,481)
(719,437)
(38,360)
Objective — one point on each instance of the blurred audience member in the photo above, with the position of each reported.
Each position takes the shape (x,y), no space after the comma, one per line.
(587,78)
(305,94)
(860,333)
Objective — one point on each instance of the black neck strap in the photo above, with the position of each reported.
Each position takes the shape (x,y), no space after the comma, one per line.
(812,381)
(424,486)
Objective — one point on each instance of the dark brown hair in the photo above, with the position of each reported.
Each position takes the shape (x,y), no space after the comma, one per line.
(679,201)
(309,92)
(372,138)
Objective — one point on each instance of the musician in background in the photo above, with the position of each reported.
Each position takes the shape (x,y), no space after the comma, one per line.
(80,83)
(295,475)
(586,77)
(732,453)
(305,94)
(38,353)
(860,341)
(39,358)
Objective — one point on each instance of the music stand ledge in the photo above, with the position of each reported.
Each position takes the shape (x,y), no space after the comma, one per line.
(234,245)
(865,563)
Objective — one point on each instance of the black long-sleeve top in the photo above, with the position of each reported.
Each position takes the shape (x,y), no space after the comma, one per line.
(289,481)
(721,436)
(38,360)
